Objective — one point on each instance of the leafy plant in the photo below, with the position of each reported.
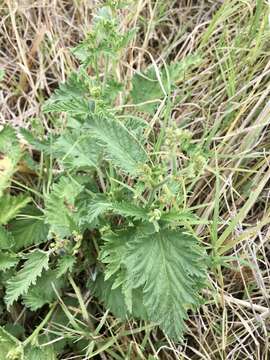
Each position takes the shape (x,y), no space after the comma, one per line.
(110,193)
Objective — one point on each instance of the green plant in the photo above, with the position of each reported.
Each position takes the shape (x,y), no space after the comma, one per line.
(109,193)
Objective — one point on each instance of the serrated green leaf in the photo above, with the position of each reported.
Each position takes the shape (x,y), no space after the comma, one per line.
(96,207)
(10,206)
(113,252)
(114,298)
(60,211)
(18,285)
(42,292)
(30,229)
(122,148)
(76,150)
(100,205)
(130,210)
(136,126)
(182,217)
(146,87)
(6,239)
(70,97)
(169,266)
(7,260)
(65,264)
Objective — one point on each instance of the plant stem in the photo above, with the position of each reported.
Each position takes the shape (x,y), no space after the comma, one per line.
(32,338)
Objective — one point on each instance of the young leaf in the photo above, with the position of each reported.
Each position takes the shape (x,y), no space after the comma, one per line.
(122,148)
(182,217)
(104,39)
(19,284)
(169,266)
(60,208)
(136,125)
(10,206)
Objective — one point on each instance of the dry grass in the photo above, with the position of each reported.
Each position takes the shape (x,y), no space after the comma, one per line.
(226,104)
